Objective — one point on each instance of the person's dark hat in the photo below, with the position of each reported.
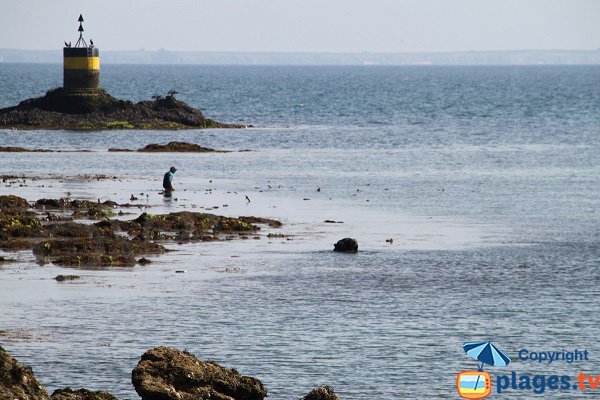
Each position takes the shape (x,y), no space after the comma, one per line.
(173,169)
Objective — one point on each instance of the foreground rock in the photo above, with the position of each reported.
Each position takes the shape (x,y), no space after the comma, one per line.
(80,394)
(169,374)
(347,245)
(17,381)
(98,110)
(163,373)
(321,393)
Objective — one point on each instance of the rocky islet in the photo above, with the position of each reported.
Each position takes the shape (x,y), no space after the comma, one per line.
(96,109)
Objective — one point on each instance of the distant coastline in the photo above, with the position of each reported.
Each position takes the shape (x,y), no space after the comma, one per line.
(509,57)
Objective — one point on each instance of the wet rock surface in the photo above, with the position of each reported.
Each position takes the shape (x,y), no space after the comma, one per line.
(169,374)
(63,278)
(98,110)
(347,245)
(17,381)
(80,394)
(178,147)
(109,242)
(11,149)
(321,393)
(171,147)
(163,373)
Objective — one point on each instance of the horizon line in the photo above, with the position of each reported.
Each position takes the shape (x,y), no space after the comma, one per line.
(320,52)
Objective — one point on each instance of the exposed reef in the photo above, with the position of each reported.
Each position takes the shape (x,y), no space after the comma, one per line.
(162,373)
(96,109)
(172,147)
(12,149)
(56,237)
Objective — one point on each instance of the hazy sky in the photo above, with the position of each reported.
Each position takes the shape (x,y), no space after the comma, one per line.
(304,25)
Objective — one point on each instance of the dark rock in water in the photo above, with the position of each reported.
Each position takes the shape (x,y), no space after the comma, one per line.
(12,149)
(96,109)
(17,381)
(178,147)
(346,245)
(169,374)
(62,278)
(321,393)
(81,394)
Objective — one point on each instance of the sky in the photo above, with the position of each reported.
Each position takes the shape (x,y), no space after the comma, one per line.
(304,25)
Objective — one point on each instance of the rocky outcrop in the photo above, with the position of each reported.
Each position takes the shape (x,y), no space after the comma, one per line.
(96,109)
(17,381)
(81,394)
(348,245)
(12,149)
(171,147)
(13,203)
(179,147)
(169,374)
(72,243)
(321,393)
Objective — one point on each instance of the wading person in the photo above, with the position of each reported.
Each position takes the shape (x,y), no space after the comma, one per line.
(168,180)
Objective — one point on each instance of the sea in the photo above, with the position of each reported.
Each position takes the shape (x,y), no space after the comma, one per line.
(473,193)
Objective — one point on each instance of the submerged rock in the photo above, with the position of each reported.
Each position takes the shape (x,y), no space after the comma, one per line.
(169,374)
(17,381)
(346,245)
(81,394)
(321,393)
(96,109)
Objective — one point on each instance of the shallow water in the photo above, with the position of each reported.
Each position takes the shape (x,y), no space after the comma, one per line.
(486,179)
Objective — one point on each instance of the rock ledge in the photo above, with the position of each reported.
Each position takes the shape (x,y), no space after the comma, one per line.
(96,109)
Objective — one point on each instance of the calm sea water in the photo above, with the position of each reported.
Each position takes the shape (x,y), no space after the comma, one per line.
(486,178)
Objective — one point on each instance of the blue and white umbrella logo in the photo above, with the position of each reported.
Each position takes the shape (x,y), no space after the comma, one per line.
(486,353)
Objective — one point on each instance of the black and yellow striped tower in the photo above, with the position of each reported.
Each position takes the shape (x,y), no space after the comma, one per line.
(81,64)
